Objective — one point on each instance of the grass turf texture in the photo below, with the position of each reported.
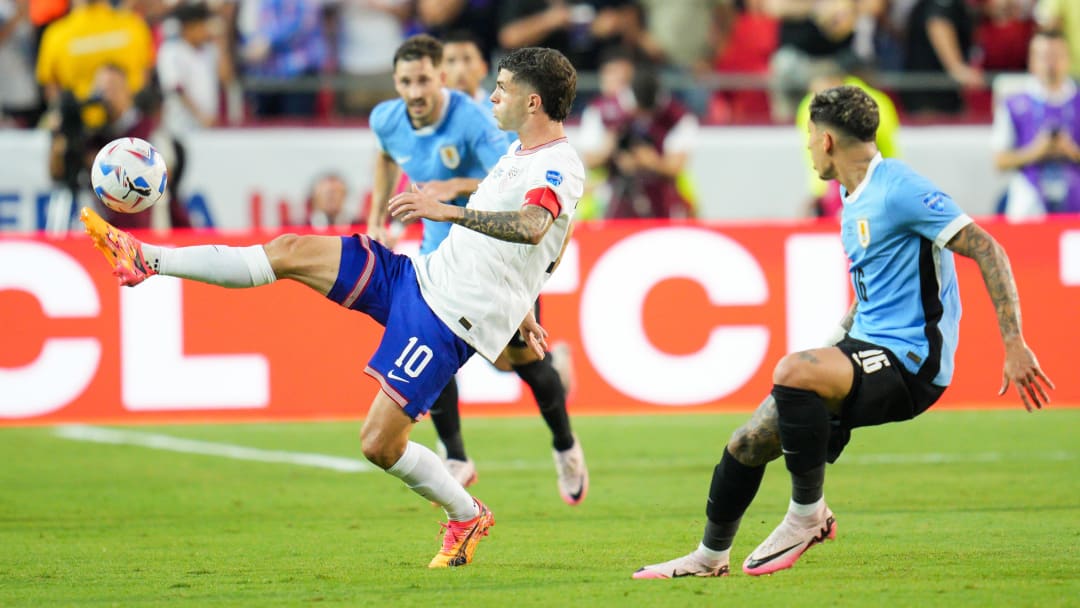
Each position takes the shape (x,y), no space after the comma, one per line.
(995,522)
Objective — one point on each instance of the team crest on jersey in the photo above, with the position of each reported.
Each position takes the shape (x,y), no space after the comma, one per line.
(863,228)
(449,157)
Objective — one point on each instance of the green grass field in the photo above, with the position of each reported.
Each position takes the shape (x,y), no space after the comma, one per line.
(953,509)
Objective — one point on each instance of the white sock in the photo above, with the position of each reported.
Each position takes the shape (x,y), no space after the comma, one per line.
(712,558)
(805,511)
(214,264)
(426,475)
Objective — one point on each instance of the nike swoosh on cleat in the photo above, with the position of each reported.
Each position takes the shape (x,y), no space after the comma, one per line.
(754,563)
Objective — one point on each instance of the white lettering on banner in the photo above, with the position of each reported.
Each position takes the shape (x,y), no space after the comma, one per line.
(613,334)
(1070,257)
(155,373)
(816,279)
(65,366)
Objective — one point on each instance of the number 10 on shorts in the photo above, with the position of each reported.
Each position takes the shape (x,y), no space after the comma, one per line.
(414,358)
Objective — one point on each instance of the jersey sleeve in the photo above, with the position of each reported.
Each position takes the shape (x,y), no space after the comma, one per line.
(556,172)
(916,203)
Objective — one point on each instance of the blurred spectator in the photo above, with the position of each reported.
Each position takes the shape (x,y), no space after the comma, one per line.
(582,30)
(90,36)
(123,119)
(939,41)
(1063,16)
(327,206)
(42,13)
(439,17)
(368,32)
(1036,133)
(283,40)
(812,33)
(682,36)
(18,90)
(1003,33)
(190,68)
(746,47)
(465,66)
(825,199)
(644,143)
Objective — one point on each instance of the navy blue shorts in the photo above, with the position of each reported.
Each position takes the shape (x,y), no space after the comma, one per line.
(418,353)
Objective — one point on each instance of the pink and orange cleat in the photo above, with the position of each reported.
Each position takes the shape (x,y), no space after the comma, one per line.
(121,250)
(461,538)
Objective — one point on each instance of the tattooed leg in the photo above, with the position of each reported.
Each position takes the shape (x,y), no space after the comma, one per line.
(757,442)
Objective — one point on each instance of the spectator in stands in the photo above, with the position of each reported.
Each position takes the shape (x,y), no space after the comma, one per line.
(92,35)
(581,29)
(368,31)
(18,90)
(682,36)
(123,119)
(824,199)
(1063,16)
(1036,133)
(746,46)
(939,41)
(285,48)
(327,206)
(1003,33)
(480,17)
(190,70)
(644,145)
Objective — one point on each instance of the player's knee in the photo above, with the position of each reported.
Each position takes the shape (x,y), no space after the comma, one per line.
(378,449)
(283,253)
(794,371)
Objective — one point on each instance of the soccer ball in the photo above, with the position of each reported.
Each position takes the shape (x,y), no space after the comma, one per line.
(129,175)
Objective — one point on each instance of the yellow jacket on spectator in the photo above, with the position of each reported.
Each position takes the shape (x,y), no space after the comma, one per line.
(75,46)
(888,127)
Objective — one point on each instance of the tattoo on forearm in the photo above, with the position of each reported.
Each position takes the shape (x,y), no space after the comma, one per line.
(973,242)
(513,226)
(757,442)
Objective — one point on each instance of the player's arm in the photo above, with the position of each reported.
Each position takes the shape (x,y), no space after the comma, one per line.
(449,189)
(383,181)
(529,224)
(1021,366)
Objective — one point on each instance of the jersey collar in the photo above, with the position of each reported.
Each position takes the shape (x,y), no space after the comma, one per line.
(874,162)
(1039,91)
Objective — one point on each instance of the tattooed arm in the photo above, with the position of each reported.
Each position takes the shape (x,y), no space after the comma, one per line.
(1021,366)
(526,225)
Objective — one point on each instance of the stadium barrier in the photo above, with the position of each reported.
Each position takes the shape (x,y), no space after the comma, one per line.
(659,317)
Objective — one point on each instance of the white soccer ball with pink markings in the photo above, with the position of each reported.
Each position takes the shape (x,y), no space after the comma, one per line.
(129,175)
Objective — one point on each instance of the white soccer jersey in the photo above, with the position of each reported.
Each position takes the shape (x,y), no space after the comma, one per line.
(483,287)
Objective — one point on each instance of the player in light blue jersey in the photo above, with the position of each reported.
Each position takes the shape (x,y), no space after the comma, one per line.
(892,356)
(445,143)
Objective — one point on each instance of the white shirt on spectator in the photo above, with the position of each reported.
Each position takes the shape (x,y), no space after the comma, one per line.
(182,67)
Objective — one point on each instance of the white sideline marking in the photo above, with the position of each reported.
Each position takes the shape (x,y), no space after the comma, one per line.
(207,448)
(351,465)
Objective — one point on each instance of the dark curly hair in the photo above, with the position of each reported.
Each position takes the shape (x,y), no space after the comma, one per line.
(418,47)
(549,73)
(846,108)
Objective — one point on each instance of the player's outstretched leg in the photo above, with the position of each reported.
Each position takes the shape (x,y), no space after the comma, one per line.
(122,251)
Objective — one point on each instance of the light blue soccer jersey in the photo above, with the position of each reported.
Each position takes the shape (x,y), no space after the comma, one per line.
(894,227)
(464,143)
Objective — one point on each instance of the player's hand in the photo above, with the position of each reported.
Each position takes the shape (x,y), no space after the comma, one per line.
(440,190)
(1022,370)
(534,335)
(413,204)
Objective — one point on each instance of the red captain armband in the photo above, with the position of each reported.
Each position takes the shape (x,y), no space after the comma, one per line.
(544,197)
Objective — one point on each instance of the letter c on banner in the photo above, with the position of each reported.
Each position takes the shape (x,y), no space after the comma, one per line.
(65,366)
(613,332)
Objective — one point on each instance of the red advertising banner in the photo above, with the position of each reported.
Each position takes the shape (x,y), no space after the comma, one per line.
(658,317)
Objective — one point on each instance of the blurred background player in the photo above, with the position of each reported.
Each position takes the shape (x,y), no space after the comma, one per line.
(445,143)
(1036,133)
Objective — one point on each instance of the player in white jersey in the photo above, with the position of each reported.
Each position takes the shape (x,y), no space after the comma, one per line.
(890,360)
(471,294)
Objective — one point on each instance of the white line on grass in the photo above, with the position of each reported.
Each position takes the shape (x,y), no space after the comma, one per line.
(225,450)
(351,465)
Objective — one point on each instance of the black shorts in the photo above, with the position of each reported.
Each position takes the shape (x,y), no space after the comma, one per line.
(516,341)
(882,391)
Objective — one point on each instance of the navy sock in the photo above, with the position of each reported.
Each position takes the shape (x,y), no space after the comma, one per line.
(804,437)
(733,488)
(550,397)
(447,419)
